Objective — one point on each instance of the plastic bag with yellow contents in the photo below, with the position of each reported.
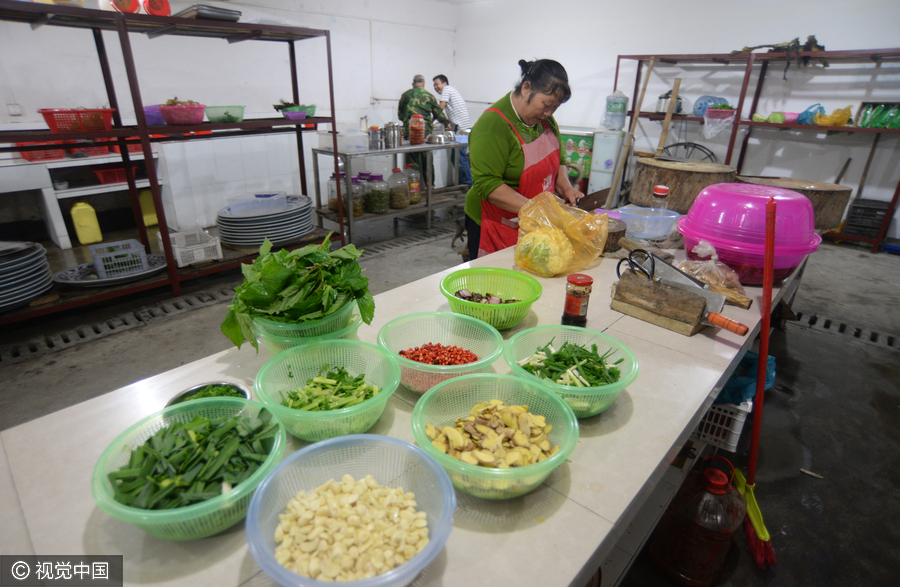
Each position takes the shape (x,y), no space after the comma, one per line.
(555,238)
(839,117)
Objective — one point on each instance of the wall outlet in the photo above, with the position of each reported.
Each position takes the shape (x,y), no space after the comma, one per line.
(14,109)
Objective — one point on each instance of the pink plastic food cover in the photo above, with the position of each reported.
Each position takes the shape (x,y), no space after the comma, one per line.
(734,215)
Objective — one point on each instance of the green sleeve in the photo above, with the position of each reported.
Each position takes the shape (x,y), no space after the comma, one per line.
(496,158)
(403,108)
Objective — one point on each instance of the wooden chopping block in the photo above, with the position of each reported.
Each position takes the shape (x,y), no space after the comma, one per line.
(685,180)
(829,200)
(616,231)
(663,305)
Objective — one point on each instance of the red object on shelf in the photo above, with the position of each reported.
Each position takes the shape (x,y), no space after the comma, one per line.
(77,119)
(135,148)
(157,7)
(116,175)
(42,155)
(131,6)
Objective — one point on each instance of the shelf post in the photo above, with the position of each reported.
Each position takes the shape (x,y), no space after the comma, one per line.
(134,86)
(737,118)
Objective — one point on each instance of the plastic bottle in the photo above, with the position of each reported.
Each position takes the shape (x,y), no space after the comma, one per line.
(416,130)
(378,196)
(660,198)
(86,226)
(399,188)
(148,208)
(693,537)
(414,181)
(616,108)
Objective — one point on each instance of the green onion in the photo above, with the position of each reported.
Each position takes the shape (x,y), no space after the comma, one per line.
(335,390)
(189,462)
(573,365)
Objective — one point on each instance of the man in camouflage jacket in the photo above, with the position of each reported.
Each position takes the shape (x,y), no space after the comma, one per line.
(418,100)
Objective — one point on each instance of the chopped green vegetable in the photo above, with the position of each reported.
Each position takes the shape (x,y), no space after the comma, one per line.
(297,286)
(336,390)
(213,391)
(189,462)
(573,365)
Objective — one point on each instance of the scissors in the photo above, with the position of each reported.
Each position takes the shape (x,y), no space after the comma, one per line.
(634,260)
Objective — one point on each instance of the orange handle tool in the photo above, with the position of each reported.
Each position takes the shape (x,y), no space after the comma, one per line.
(716,319)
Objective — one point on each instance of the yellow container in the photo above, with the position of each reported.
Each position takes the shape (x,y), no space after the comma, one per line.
(148,208)
(86,226)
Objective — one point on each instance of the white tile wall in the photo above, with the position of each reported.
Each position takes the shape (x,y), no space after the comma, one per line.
(199,177)
(254,158)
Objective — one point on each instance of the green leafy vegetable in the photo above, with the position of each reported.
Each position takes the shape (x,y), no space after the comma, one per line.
(213,391)
(336,390)
(185,463)
(573,365)
(297,286)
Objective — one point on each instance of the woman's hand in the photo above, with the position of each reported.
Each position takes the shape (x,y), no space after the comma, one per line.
(565,189)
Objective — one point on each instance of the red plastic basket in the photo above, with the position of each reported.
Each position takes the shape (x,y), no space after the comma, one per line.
(77,119)
(136,148)
(116,175)
(42,155)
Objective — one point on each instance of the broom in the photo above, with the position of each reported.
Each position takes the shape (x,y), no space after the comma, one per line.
(758,539)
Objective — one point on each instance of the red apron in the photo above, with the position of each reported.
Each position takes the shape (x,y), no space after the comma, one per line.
(538,175)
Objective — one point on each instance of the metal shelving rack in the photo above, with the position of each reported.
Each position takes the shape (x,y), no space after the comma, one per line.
(433,198)
(874,57)
(37,15)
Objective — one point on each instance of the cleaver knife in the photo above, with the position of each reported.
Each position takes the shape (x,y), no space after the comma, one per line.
(670,275)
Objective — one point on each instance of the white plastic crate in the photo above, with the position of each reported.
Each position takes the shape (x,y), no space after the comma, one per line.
(722,425)
(118,258)
(192,246)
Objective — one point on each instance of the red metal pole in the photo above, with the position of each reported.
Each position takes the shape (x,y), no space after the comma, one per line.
(768,273)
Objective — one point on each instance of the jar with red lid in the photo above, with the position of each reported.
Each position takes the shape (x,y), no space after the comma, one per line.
(157,7)
(578,292)
(416,130)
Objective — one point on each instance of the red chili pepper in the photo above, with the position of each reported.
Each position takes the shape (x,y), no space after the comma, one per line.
(438,354)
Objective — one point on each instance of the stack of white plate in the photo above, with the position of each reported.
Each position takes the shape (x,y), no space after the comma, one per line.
(279,227)
(24,273)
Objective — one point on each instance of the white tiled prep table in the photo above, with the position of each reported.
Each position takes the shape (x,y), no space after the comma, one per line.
(558,535)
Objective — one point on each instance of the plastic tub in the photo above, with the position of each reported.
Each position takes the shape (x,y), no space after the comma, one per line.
(183,114)
(294,367)
(732,217)
(584,401)
(453,399)
(444,328)
(194,521)
(504,283)
(279,344)
(648,222)
(392,462)
(225,113)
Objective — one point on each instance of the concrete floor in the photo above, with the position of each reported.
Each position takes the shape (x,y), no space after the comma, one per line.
(835,408)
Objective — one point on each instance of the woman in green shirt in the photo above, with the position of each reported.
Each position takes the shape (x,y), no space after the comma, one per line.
(515,155)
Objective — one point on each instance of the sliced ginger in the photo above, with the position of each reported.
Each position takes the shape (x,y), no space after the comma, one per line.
(495,435)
